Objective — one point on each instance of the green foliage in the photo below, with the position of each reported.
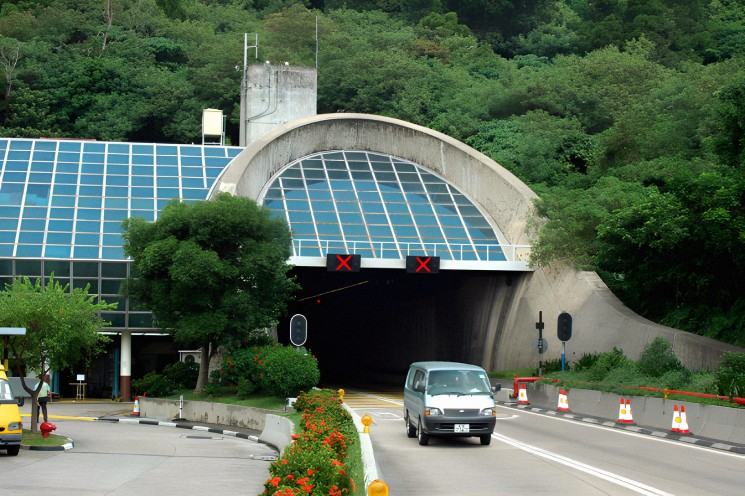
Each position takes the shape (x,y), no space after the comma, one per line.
(183,375)
(658,359)
(731,374)
(153,384)
(212,272)
(553,365)
(586,361)
(316,462)
(289,371)
(606,362)
(246,388)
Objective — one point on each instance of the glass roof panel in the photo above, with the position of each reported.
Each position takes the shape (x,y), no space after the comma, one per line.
(71,180)
(390,208)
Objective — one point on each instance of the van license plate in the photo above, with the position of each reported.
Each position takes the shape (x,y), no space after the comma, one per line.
(462,427)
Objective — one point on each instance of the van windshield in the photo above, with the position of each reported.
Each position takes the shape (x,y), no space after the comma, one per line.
(457,382)
(6,395)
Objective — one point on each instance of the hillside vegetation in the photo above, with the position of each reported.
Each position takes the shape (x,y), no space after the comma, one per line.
(627,118)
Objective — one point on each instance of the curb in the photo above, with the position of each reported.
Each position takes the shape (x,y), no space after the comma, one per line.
(64,447)
(683,438)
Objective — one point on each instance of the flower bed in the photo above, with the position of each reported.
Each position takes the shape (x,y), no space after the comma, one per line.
(316,462)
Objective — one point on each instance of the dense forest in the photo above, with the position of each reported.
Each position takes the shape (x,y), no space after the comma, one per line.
(627,117)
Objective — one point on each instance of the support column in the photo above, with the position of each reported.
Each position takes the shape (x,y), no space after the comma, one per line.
(125,368)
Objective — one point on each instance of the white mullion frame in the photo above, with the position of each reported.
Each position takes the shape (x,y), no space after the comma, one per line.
(408,206)
(463,223)
(333,198)
(448,247)
(359,203)
(20,217)
(396,242)
(310,204)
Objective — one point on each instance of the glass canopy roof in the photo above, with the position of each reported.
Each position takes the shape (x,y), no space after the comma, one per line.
(377,206)
(64,199)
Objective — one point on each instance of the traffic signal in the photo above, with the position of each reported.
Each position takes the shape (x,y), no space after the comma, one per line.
(298,329)
(564,327)
(343,262)
(422,265)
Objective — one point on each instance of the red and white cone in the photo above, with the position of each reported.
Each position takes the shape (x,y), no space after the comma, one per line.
(676,420)
(683,421)
(563,401)
(522,397)
(136,409)
(624,413)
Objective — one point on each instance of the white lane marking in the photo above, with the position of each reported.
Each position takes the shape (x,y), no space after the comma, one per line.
(610,427)
(619,480)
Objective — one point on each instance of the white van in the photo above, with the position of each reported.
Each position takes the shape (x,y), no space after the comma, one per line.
(448,399)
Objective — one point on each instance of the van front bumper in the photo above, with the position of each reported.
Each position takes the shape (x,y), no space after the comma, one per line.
(442,425)
(10,440)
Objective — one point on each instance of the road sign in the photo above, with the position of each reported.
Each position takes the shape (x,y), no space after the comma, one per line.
(541,345)
(342,262)
(298,329)
(422,265)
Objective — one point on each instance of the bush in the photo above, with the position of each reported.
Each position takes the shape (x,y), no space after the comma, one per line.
(675,379)
(316,462)
(731,374)
(626,374)
(552,366)
(289,371)
(702,382)
(658,358)
(606,362)
(585,362)
(153,384)
(246,388)
(183,375)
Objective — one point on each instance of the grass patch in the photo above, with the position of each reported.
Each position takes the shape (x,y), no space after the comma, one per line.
(510,374)
(29,438)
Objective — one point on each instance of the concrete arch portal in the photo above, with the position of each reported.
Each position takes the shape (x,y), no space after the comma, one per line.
(370,325)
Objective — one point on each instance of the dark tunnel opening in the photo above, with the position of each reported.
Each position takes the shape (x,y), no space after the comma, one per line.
(365,328)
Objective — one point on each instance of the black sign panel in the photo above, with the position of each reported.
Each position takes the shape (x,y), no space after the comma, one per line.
(298,329)
(422,265)
(343,262)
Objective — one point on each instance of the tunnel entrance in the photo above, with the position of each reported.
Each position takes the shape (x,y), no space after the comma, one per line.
(365,328)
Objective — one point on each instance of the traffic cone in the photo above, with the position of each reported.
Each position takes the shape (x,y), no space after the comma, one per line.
(624,413)
(522,397)
(136,409)
(563,401)
(683,421)
(676,420)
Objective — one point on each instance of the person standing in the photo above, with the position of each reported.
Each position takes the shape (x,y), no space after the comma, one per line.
(45,394)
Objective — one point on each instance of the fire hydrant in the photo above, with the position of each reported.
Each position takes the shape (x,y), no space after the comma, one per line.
(46,428)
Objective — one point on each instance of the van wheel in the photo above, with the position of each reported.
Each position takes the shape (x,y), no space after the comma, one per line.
(410,429)
(486,440)
(13,450)
(423,436)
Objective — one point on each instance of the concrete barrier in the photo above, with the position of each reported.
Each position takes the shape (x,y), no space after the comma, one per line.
(275,429)
(708,421)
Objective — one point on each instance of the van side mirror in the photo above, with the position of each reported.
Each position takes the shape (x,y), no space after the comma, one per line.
(20,400)
(496,387)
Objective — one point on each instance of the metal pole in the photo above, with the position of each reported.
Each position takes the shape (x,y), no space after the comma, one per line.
(563,354)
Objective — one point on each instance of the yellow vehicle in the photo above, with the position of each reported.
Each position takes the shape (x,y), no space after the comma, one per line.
(10,417)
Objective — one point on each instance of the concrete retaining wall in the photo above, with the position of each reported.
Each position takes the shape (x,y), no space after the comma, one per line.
(275,429)
(708,421)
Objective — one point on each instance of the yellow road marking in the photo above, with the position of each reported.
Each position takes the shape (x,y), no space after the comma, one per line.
(63,417)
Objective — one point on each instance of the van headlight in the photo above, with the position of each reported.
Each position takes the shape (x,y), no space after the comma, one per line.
(15,426)
(488,412)
(432,411)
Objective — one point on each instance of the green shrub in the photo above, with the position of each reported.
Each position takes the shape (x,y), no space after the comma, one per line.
(289,371)
(183,375)
(211,389)
(675,379)
(606,362)
(585,362)
(658,358)
(552,366)
(246,388)
(731,374)
(153,384)
(626,374)
(702,382)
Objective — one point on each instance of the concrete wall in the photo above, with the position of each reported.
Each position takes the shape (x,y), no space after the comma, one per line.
(275,95)
(506,315)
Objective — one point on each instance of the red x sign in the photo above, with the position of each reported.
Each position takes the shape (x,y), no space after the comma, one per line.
(342,262)
(422,265)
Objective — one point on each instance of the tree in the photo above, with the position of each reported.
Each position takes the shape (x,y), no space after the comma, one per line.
(212,272)
(61,328)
